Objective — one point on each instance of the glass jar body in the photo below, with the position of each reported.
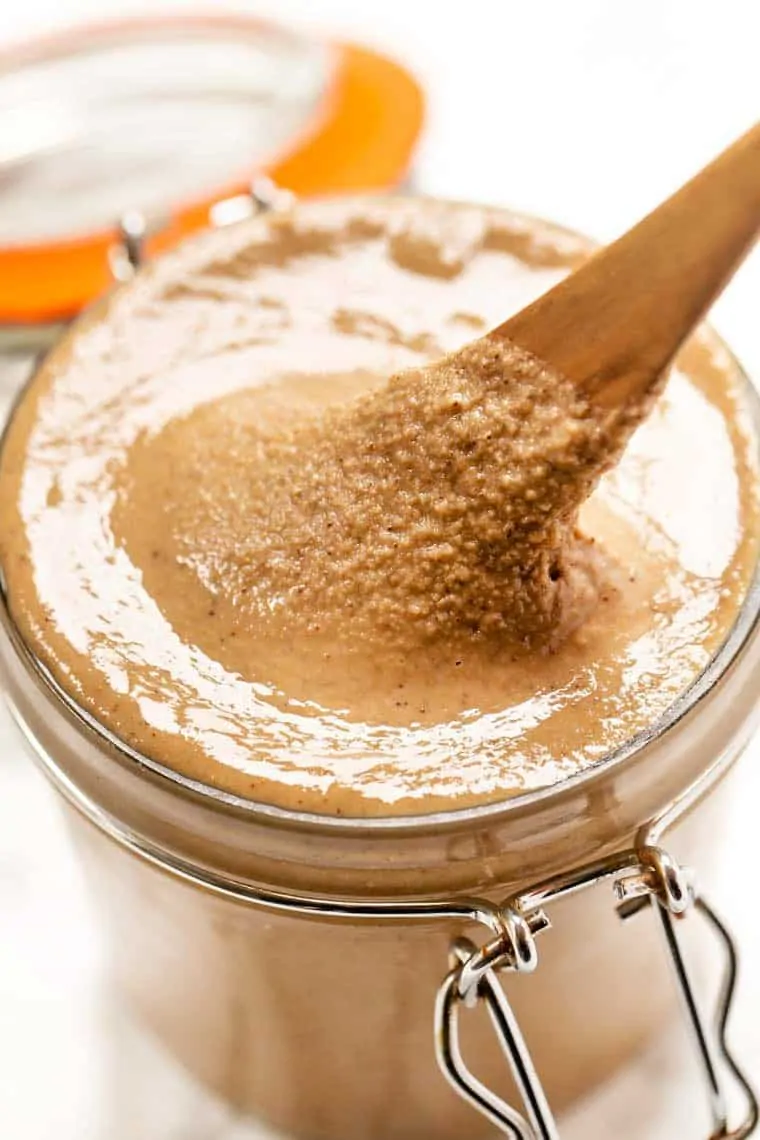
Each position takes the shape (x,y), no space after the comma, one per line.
(323,1024)
(325,1028)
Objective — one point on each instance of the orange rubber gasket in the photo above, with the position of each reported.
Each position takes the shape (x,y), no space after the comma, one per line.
(360,137)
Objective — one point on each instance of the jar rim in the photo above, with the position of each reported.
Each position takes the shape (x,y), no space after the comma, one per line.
(747,621)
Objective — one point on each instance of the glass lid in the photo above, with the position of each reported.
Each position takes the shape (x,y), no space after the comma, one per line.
(166,117)
(142,117)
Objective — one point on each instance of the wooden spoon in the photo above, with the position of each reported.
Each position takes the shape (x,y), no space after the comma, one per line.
(615,325)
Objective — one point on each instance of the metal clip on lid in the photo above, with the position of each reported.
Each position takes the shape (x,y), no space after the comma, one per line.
(646,878)
(128,252)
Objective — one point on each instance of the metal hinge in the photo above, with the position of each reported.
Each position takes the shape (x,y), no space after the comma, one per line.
(647,878)
(128,252)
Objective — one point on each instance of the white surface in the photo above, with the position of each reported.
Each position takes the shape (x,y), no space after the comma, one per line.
(587,112)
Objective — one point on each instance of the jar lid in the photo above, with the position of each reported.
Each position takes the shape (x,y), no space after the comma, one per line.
(167,116)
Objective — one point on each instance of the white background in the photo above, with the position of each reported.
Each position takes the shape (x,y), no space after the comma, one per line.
(588,112)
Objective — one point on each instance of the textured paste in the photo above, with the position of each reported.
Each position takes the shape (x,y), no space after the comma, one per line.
(262,524)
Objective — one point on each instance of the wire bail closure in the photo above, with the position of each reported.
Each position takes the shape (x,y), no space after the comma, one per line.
(127,254)
(647,878)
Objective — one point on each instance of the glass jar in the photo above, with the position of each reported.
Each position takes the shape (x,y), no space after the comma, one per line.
(299,964)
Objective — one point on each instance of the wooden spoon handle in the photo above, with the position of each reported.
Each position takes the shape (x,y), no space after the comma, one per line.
(615,325)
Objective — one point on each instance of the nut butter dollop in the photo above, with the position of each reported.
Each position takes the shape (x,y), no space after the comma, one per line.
(437,508)
(264,566)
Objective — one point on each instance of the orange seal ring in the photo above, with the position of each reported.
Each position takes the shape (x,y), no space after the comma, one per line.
(360,136)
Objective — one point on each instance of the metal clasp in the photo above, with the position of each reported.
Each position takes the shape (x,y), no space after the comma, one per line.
(128,252)
(647,878)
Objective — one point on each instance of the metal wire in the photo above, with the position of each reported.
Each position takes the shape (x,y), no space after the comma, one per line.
(473,978)
(722,1015)
(540,1125)
(707,1050)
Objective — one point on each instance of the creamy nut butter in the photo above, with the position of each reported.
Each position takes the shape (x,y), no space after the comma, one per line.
(259,563)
